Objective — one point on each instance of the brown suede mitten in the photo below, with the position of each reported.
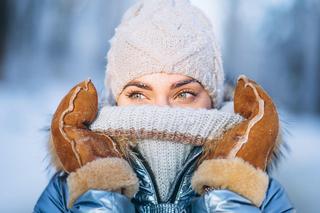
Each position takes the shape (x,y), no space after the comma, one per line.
(237,161)
(93,159)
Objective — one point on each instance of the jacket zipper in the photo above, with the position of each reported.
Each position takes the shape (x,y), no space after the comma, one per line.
(141,164)
(181,173)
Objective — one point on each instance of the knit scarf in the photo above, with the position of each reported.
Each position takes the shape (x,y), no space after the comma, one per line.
(164,136)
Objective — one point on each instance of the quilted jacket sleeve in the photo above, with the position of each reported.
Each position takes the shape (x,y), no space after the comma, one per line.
(227,201)
(55,199)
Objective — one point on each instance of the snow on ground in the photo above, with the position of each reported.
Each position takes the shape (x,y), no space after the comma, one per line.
(300,171)
(25,113)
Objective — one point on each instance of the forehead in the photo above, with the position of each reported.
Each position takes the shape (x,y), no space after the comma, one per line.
(157,78)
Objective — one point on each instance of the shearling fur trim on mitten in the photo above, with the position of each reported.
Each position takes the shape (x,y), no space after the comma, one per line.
(233,174)
(112,174)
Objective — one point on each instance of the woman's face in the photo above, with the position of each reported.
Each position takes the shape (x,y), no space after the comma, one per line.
(164,89)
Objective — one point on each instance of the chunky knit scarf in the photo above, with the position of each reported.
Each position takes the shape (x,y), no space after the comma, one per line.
(163,135)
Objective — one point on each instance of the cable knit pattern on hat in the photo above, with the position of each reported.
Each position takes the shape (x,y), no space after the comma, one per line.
(170,36)
(184,125)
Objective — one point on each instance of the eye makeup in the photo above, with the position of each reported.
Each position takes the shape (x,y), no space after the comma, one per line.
(135,95)
(186,91)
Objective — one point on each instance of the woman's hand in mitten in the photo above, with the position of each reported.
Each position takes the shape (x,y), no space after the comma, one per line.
(237,161)
(93,159)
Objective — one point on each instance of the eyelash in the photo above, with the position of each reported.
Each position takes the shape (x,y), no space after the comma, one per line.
(186,91)
(130,94)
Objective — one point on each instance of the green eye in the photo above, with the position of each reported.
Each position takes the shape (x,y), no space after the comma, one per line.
(183,95)
(136,95)
(186,95)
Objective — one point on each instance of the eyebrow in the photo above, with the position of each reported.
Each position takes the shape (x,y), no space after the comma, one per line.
(148,87)
(183,82)
(138,84)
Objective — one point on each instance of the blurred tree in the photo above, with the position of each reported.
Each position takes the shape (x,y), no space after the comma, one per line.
(4,22)
(59,40)
(293,36)
(277,43)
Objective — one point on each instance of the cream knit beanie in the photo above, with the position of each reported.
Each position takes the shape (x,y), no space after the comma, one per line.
(170,36)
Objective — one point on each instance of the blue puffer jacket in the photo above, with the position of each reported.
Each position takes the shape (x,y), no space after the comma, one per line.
(182,198)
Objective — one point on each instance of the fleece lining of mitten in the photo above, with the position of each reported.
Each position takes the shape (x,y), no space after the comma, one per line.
(112,174)
(234,174)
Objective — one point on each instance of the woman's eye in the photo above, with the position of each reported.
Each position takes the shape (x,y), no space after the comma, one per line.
(185,95)
(137,96)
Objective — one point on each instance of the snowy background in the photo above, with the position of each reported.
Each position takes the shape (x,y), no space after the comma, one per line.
(46,47)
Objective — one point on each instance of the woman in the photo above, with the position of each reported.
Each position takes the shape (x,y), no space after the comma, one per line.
(165,144)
